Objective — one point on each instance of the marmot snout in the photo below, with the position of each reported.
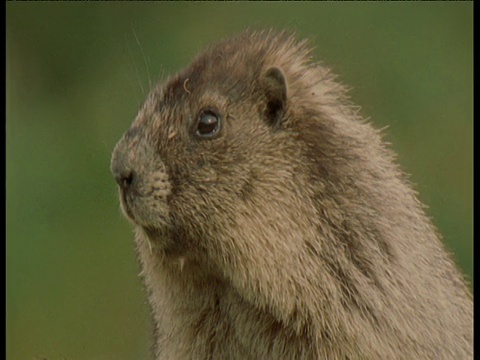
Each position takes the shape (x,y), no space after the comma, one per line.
(273,222)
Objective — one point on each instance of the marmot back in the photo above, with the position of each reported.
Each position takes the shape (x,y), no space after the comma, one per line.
(273,222)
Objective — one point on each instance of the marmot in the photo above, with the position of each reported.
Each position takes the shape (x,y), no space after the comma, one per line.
(273,221)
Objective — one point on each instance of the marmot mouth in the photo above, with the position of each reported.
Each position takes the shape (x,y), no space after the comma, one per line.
(127,211)
(153,233)
(133,210)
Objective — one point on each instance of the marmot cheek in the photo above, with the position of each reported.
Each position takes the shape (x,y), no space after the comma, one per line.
(207,177)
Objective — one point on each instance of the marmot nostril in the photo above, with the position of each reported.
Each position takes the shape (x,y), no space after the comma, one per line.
(125,178)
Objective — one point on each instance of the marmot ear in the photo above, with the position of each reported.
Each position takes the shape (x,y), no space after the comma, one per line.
(275,92)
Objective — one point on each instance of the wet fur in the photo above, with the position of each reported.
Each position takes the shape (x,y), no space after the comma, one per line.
(290,236)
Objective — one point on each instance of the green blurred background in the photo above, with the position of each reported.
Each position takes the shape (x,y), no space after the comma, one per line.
(76,76)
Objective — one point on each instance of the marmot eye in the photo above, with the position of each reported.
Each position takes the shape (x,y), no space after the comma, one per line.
(208,124)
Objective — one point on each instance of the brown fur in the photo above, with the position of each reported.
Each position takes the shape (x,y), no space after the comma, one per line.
(293,234)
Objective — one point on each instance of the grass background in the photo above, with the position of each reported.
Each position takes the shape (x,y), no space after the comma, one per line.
(76,76)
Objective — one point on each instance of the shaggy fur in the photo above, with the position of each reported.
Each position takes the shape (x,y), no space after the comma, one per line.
(290,235)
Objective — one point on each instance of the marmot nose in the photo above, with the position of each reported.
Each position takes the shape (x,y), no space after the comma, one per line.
(122,170)
(125,178)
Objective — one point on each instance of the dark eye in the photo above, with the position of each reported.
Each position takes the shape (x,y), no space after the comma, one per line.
(208,124)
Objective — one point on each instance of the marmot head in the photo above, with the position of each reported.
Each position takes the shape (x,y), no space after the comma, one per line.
(229,149)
